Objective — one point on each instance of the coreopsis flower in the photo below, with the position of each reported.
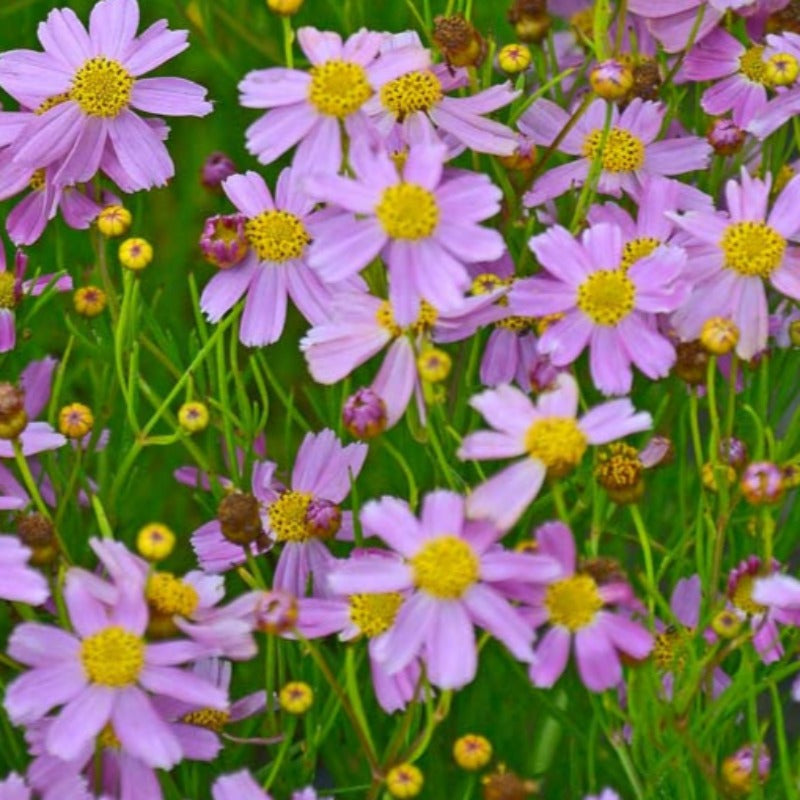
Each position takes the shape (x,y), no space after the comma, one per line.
(278,232)
(309,109)
(781,52)
(87,88)
(631,152)
(418,101)
(574,606)
(424,224)
(607,303)
(103,673)
(449,566)
(14,290)
(18,581)
(549,436)
(739,70)
(748,246)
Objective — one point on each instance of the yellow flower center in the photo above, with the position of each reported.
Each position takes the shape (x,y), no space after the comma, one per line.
(752,248)
(374,613)
(557,442)
(169,595)
(637,249)
(112,657)
(287,517)
(445,567)
(607,296)
(417,91)
(573,602)
(210,718)
(51,102)
(107,738)
(667,649)
(101,87)
(338,88)
(623,152)
(8,293)
(407,211)
(423,324)
(518,324)
(751,64)
(743,596)
(37,181)
(277,236)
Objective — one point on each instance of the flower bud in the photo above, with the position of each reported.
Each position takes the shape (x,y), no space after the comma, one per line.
(296,697)
(530,19)
(275,612)
(733,451)
(727,624)
(135,254)
(691,363)
(155,541)
(323,518)
(719,335)
(434,365)
(239,516)
(364,414)
(472,752)
(523,158)
(13,418)
(89,301)
(223,241)
(114,221)
(514,58)
(404,780)
(284,7)
(193,416)
(458,40)
(725,137)
(611,79)
(794,332)
(711,473)
(75,421)
(216,168)
(658,451)
(36,532)
(762,483)
(781,69)
(738,769)
(619,471)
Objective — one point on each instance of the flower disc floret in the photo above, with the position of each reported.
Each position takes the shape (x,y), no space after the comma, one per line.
(573,602)
(338,88)
(742,596)
(751,64)
(8,290)
(112,657)
(557,442)
(607,296)
(169,595)
(445,567)
(407,211)
(374,613)
(752,248)
(667,648)
(622,152)
(637,249)
(211,719)
(288,517)
(101,87)
(277,236)
(416,91)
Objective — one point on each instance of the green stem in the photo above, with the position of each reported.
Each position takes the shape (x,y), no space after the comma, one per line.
(644,541)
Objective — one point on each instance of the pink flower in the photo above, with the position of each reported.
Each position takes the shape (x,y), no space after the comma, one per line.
(19,582)
(573,605)
(548,434)
(609,296)
(631,151)
(424,225)
(449,567)
(238,786)
(311,107)
(746,247)
(787,104)
(70,787)
(86,85)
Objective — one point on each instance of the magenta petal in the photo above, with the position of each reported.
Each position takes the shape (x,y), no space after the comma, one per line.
(238,786)
(450,652)
(396,379)
(393,521)
(226,288)
(183,685)
(552,654)
(140,151)
(398,647)
(33,694)
(489,609)
(170,97)
(265,307)
(598,662)
(142,732)
(80,721)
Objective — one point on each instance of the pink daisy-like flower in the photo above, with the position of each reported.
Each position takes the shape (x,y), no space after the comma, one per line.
(86,85)
(14,290)
(548,434)
(103,674)
(238,786)
(573,605)
(783,49)
(450,567)
(425,226)
(417,101)
(749,245)
(278,232)
(310,107)
(630,154)
(739,70)
(608,300)
(19,582)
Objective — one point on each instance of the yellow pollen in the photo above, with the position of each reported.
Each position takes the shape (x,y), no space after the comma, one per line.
(210,718)
(424,323)
(487,282)
(101,87)
(742,596)
(623,152)
(416,91)
(338,88)
(8,290)
(573,602)
(667,649)
(607,296)
(752,248)
(51,102)
(277,236)
(374,613)
(112,657)
(637,249)
(169,595)
(445,567)
(287,517)
(37,181)
(407,211)
(517,324)
(751,64)
(557,442)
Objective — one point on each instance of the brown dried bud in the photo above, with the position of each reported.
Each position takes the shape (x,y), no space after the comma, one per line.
(646,80)
(692,362)
(787,19)
(13,418)
(239,516)
(37,532)
(602,569)
(505,785)
(459,41)
(619,471)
